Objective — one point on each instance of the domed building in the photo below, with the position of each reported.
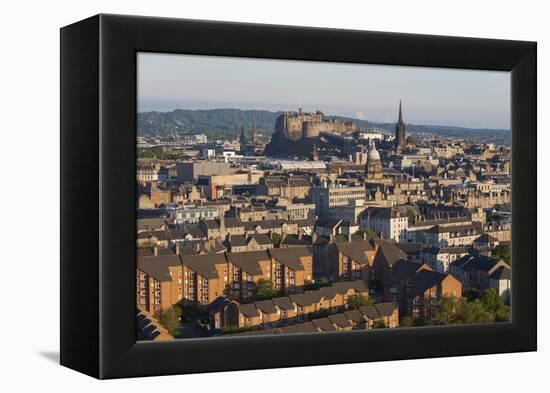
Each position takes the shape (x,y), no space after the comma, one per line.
(373,168)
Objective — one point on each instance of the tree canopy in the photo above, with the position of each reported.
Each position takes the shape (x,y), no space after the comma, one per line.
(170,320)
(263,289)
(358,300)
(489,307)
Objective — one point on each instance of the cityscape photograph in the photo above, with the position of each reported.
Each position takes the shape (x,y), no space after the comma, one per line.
(290,197)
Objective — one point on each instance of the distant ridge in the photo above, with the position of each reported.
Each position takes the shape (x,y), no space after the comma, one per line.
(226,123)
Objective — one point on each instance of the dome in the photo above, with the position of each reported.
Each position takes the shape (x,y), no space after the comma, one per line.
(373,154)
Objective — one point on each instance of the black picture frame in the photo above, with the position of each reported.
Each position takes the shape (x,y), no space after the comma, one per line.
(98,208)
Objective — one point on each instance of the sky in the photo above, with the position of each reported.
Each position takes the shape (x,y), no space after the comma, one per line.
(430,96)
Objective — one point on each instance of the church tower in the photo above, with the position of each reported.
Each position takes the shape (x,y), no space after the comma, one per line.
(400,137)
(253,132)
(373,168)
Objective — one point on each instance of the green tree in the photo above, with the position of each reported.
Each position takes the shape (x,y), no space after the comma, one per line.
(358,300)
(407,322)
(276,239)
(472,312)
(170,320)
(378,324)
(320,283)
(263,289)
(493,303)
(502,252)
(471,294)
(445,310)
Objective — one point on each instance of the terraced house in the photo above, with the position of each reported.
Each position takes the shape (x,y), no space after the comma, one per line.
(284,311)
(166,278)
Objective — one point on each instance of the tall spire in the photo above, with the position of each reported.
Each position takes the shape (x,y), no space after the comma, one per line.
(400,114)
(400,136)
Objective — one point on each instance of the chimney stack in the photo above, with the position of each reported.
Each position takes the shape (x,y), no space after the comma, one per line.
(313,237)
(365,235)
(155,251)
(299,235)
(177,249)
(349,236)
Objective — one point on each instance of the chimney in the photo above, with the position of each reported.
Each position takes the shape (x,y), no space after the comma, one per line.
(177,249)
(313,237)
(155,251)
(349,236)
(299,235)
(197,248)
(365,235)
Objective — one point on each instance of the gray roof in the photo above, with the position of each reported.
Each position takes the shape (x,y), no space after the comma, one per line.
(249,310)
(290,257)
(388,252)
(249,261)
(356,250)
(400,271)
(354,315)
(386,309)
(266,306)
(204,264)
(324,324)
(340,320)
(283,303)
(158,267)
(501,273)
(423,280)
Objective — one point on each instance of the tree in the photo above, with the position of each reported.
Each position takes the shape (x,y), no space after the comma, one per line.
(378,324)
(493,303)
(445,310)
(502,252)
(472,312)
(170,320)
(471,294)
(320,283)
(358,300)
(263,289)
(276,239)
(407,322)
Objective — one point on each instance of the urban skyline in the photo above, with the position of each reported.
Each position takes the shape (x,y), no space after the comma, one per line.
(463,98)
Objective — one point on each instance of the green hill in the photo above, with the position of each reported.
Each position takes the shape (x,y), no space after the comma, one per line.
(226,123)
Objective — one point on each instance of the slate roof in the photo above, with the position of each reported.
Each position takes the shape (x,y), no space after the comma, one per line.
(249,310)
(340,320)
(262,238)
(290,256)
(283,303)
(158,267)
(249,261)
(501,273)
(204,264)
(388,252)
(356,250)
(354,315)
(423,280)
(324,324)
(400,271)
(266,306)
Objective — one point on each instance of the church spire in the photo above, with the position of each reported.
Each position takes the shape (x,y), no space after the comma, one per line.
(400,121)
(400,132)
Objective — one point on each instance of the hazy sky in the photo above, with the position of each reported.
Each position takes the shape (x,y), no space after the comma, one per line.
(430,95)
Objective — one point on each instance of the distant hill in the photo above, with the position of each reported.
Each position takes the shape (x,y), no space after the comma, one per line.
(226,123)
(215,123)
